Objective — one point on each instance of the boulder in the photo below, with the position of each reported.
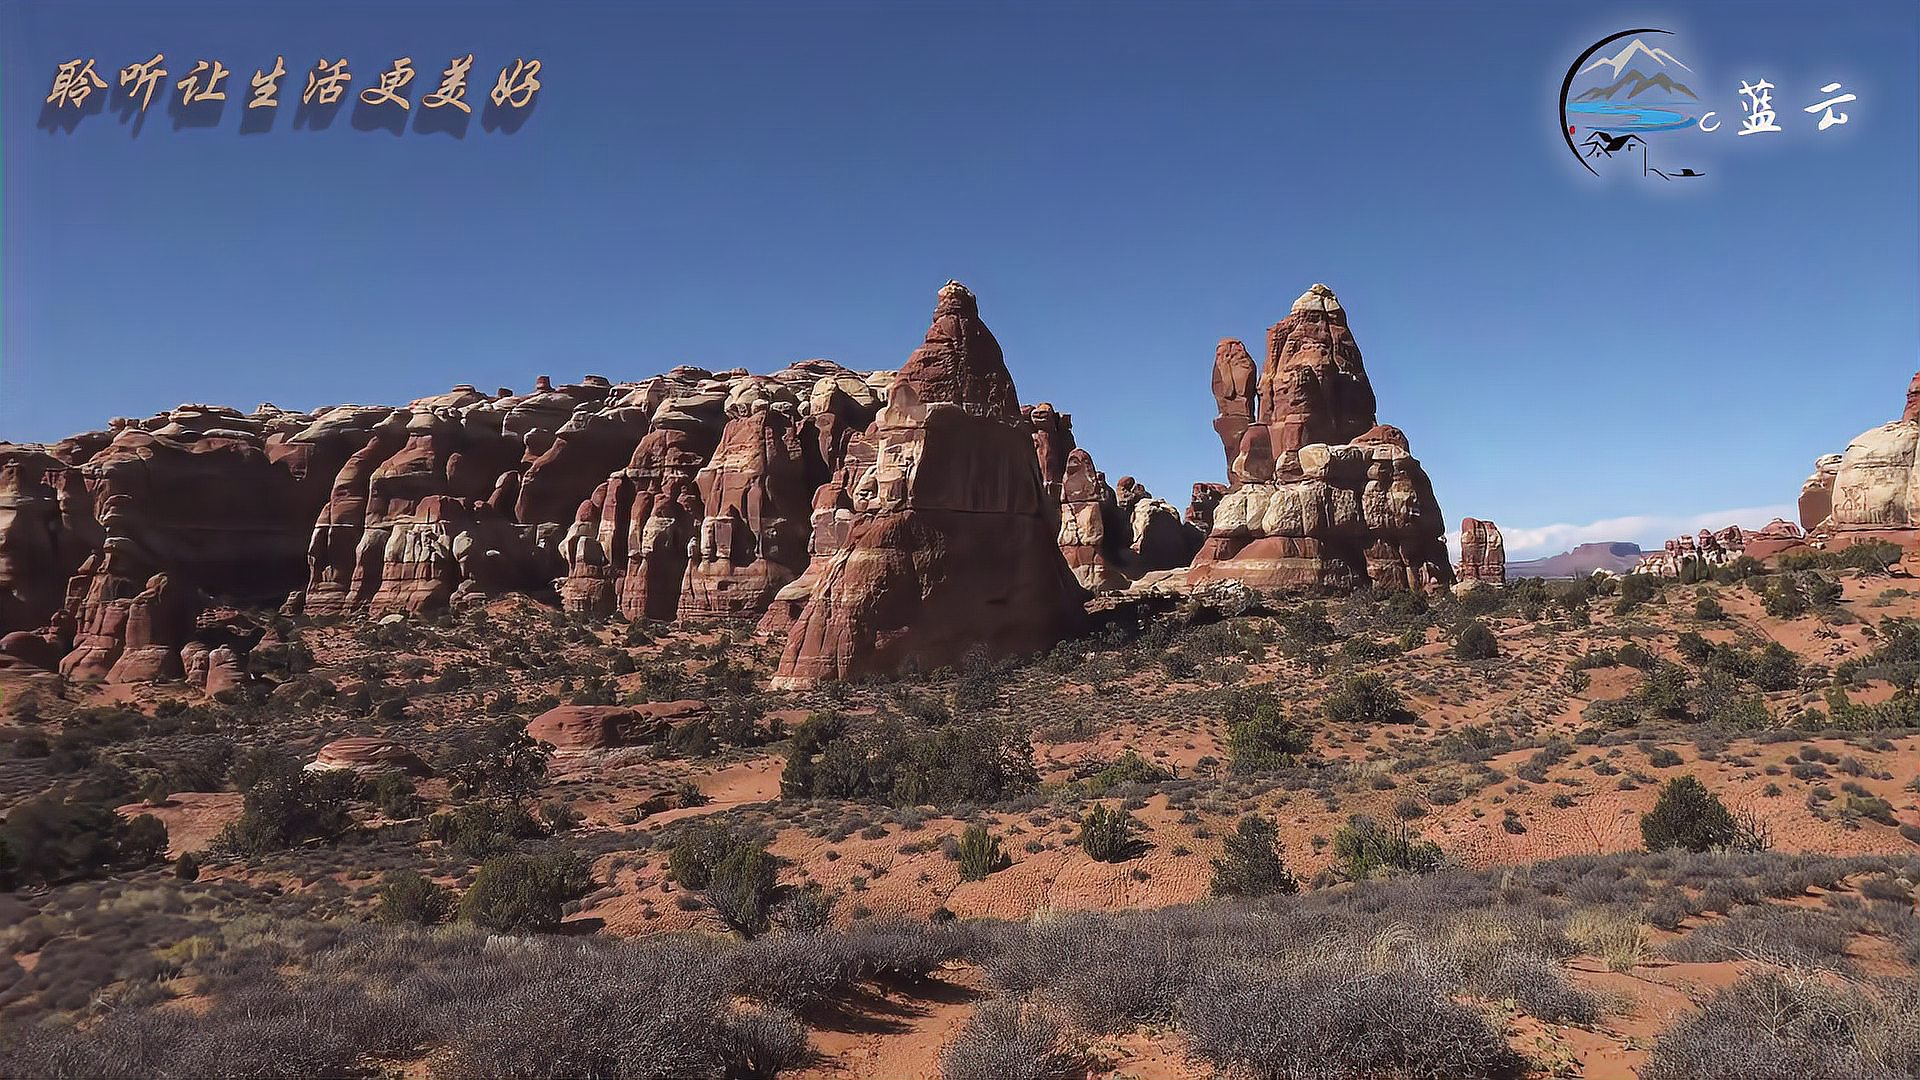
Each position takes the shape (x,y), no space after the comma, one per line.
(579,729)
(367,755)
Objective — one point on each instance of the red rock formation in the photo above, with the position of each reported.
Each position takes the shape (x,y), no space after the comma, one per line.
(367,755)
(1773,538)
(1052,442)
(757,501)
(1483,553)
(1869,493)
(954,544)
(46,530)
(1235,392)
(577,729)
(1206,497)
(1323,499)
(1816,493)
(1091,527)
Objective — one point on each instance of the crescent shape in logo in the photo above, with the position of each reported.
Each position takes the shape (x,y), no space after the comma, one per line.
(1566,85)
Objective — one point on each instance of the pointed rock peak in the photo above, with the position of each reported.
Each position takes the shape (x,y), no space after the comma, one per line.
(960,363)
(1318,298)
(1913,399)
(956,299)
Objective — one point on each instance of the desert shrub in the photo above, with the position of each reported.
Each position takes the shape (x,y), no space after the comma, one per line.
(1707,609)
(1687,816)
(1539,986)
(1003,1041)
(698,850)
(1364,848)
(1783,937)
(504,762)
(524,892)
(737,874)
(1128,768)
(1338,1022)
(284,810)
(479,831)
(1366,699)
(407,897)
(1785,1026)
(1776,668)
(187,866)
(1108,835)
(1614,935)
(52,838)
(1783,597)
(1475,641)
(1250,864)
(1266,740)
(1635,590)
(980,761)
(980,853)
(392,792)
(742,887)
(760,1044)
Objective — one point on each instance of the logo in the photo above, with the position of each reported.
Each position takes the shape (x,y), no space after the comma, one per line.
(1631,103)
(1621,95)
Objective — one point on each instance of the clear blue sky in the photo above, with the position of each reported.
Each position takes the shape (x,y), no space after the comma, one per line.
(1122,184)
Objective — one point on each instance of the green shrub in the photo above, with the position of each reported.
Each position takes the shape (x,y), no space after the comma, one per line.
(1366,699)
(1687,816)
(1129,768)
(1250,865)
(1266,740)
(53,838)
(1475,641)
(698,850)
(1783,597)
(1107,835)
(742,887)
(284,810)
(980,853)
(479,831)
(1708,609)
(408,897)
(524,892)
(1364,848)
(979,761)
(187,866)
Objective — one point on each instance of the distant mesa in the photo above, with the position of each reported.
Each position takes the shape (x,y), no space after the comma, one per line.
(1614,557)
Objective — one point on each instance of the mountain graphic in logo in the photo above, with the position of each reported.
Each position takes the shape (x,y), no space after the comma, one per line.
(1635,84)
(1636,47)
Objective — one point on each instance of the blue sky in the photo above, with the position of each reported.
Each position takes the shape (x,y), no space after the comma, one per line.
(1122,184)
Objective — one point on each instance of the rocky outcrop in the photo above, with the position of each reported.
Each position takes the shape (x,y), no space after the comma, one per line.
(756,492)
(47,529)
(954,541)
(1322,498)
(580,729)
(1692,557)
(1816,493)
(1236,382)
(1483,553)
(1773,538)
(1872,491)
(369,756)
(1092,529)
